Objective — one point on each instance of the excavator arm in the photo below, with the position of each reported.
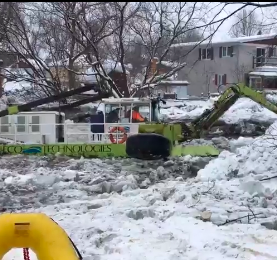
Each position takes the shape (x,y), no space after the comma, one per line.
(154,145)
(203,123)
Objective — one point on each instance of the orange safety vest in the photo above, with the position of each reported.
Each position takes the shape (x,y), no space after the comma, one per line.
(137,116)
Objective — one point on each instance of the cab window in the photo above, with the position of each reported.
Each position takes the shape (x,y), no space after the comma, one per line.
(140,113)
(112,113)
(125,116)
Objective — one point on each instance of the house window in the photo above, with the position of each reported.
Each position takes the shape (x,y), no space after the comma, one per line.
(226,51)
(256,83)
(35,123)
(21,121)
(220,79)
(206,54)
(272,52)
(4,124)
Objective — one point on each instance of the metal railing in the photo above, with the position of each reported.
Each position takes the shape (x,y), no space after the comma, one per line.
(71,132)
(264,61)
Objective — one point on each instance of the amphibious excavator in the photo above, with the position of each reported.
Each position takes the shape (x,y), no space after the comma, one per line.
(153,142)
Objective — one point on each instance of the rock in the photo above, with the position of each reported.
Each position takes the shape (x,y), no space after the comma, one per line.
(218,219)
(94,206)
(69,175)
(96,180)
(106,187)
(46,180)
(94,188)
(77,178)
(221,143)
(194,166)
(167,193)
(179,178)
(205,216)
(193,169)
(118,187)
(153,176)
(160,172)
(264,203)
(145,184)
(131,178)
(233,174)
(272,225)
(180,198)
(169,163)
(140,214)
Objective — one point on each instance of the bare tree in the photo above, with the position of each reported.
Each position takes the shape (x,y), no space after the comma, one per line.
(160,26)
(41,31)
(247,23)
(22,38)
(67,32)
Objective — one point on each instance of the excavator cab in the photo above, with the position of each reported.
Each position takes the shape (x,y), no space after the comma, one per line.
(132,110)
(127,110)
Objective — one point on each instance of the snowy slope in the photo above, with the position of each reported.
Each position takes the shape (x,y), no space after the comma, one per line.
(128,209)
(163,220)
(243,109)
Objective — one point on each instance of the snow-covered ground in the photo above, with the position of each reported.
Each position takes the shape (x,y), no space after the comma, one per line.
(243,109)
(129,209)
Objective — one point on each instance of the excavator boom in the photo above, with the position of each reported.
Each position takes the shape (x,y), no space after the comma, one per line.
(203,123)
(161,142)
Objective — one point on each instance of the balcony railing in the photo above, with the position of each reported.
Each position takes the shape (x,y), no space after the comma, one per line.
(264,61)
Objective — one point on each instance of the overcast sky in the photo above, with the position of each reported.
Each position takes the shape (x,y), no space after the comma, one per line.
(223,32)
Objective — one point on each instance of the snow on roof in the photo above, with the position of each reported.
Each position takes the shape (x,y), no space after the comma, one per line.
(126,100)
(109,65)
(264,73)
(268,71)
(36,63)
(244,39)
(172,82)
(169,63)
(266,68)
(89,76)
(13,85)
(181,82)
(81,60)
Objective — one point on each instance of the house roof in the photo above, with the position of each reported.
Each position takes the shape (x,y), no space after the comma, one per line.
(172,83)
(109,65)
(169,64)
(33,63)
(245,39)
(90,75)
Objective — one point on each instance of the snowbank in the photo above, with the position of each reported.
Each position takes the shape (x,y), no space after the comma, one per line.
(258,160)
(243,109)
(163,221)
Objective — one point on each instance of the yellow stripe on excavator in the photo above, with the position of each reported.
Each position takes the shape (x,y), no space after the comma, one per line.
(13,110)
(255,96)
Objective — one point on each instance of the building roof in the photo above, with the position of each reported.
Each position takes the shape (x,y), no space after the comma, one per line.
(172,83)
(268,71)
(245,39)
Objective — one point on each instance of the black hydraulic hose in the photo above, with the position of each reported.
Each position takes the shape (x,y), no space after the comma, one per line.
(75,247)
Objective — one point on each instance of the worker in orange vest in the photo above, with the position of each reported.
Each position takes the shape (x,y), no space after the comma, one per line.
(136,116)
